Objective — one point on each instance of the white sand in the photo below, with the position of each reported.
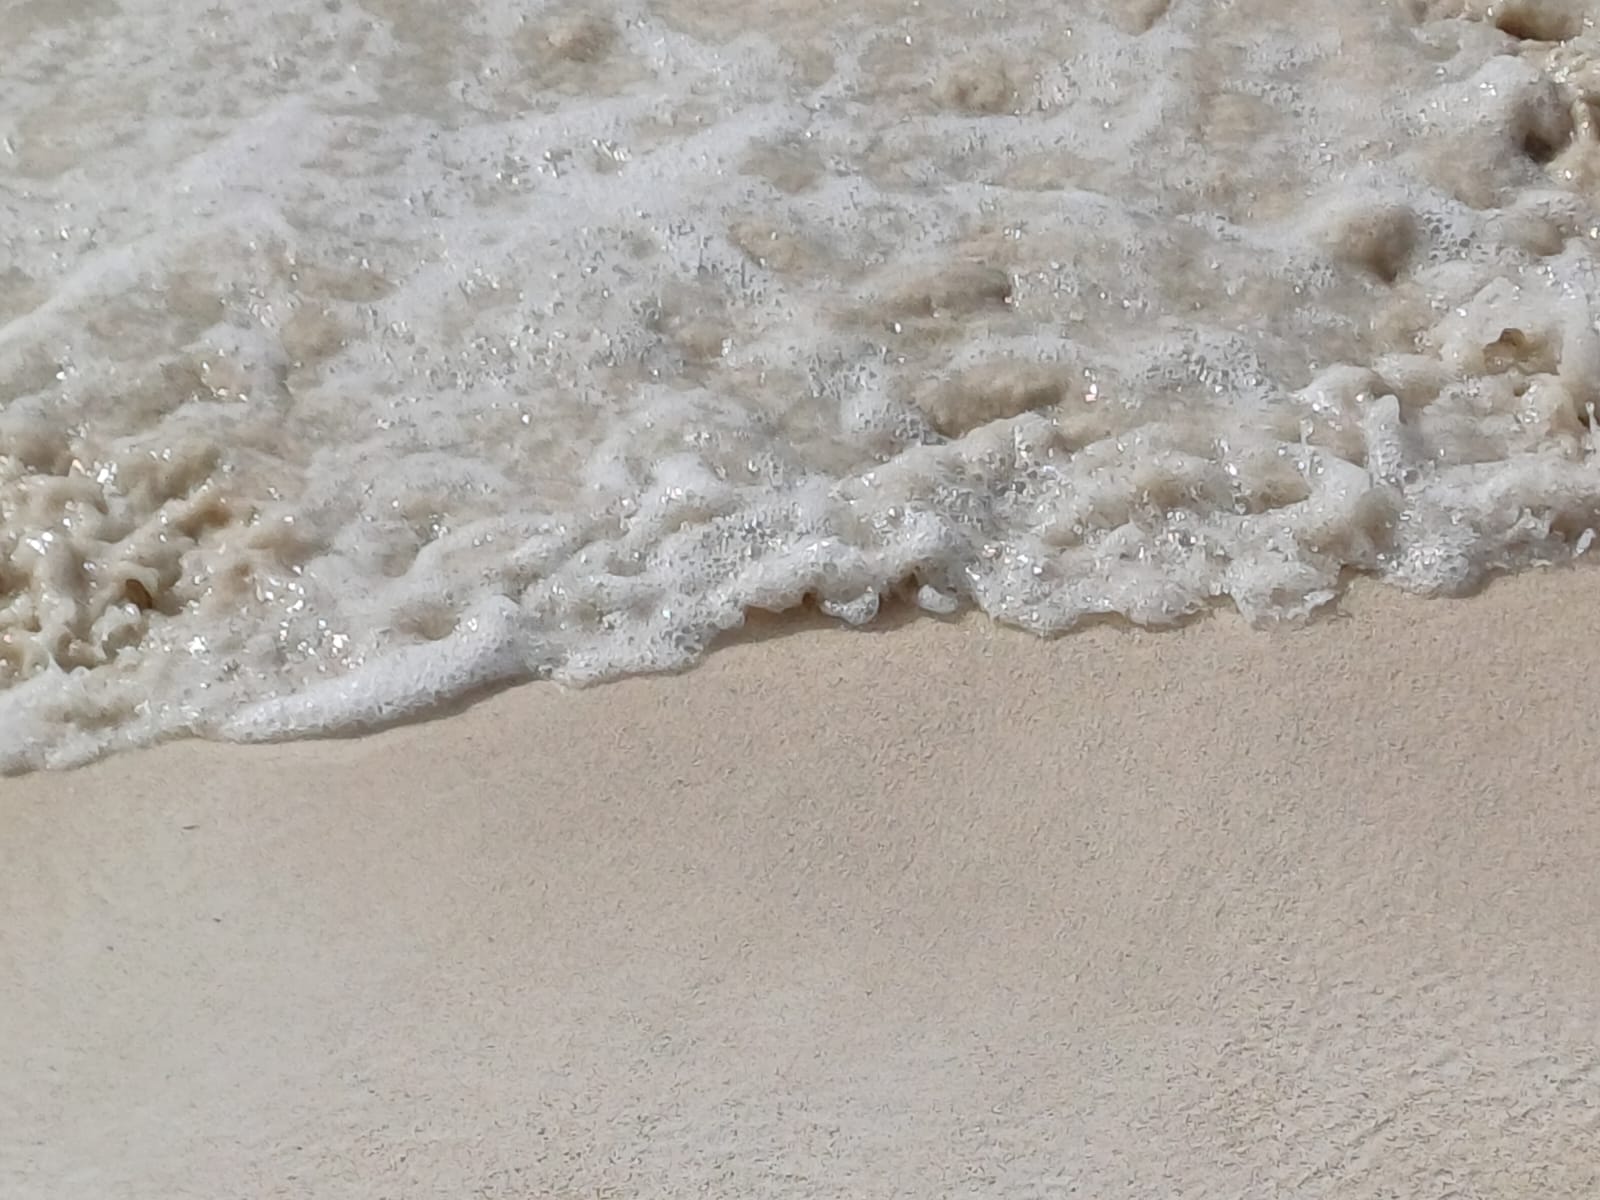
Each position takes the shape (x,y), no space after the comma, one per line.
(914,913)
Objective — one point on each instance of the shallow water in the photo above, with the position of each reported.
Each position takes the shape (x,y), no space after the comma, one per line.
(356,355)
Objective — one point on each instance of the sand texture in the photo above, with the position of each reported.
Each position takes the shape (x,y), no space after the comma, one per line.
(921,912)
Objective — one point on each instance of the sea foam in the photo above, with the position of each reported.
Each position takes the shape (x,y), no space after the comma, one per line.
(357,356)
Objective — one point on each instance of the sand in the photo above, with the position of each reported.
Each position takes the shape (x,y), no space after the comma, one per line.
(927,911)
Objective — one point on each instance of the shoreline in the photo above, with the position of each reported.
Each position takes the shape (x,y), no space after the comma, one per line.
(937,909)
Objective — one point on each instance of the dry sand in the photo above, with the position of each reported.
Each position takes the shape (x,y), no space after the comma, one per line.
(936,911)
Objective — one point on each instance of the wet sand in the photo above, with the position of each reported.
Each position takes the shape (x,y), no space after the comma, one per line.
(915,912)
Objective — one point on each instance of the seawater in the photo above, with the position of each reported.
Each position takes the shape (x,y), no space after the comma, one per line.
(357,354)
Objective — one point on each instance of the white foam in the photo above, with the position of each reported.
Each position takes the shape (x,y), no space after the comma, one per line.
(354,357)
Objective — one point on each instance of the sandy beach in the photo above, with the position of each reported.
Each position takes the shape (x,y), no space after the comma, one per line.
(918,911)
(359,358)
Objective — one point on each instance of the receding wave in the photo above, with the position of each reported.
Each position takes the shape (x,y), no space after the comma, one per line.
(354,356)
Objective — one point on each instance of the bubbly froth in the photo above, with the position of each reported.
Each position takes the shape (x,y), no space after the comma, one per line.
(356,355)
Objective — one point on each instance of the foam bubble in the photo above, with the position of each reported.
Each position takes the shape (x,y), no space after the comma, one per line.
(356,357)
